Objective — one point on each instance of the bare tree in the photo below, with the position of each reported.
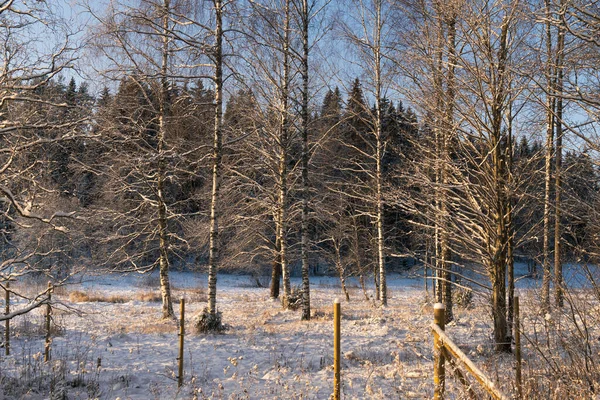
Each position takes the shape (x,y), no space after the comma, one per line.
(34,117)
(270,55)
(477,185)
(368,30)
(217,58)
(147,49)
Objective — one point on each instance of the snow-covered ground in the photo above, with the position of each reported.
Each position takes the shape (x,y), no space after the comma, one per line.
(122,350)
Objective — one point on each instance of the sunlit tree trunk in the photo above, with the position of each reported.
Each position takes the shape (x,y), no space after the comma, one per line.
(304,17)
(550,108)
(379,156)
(213,256)
(283,159)
(558,273)
(510,259)
(165,287)
(501,213)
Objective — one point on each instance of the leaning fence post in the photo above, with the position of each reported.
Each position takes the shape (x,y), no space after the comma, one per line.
(517,329)
(439,372)
(336,349)
(181,337)
(48,316)
(7,322)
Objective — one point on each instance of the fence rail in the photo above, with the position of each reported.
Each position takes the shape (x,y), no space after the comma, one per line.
(446,349)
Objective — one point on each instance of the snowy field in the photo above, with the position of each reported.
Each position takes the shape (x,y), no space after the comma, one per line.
(119,349)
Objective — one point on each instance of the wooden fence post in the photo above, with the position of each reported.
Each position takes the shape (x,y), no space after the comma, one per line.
(439,372)
(181,337)
(48,317)
(7,322)
(336,349)
(517,329)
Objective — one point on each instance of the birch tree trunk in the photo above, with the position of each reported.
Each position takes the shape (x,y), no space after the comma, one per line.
(213,255)
(165,287)
(304,17)
(550,108)
(379,155)
(558,273)
(284,139)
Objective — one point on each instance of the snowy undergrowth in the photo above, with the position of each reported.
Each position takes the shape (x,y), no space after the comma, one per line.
(123,350)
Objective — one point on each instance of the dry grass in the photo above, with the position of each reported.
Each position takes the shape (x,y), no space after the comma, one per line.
(78,296)
(196,295)
(149,297)
(164,327)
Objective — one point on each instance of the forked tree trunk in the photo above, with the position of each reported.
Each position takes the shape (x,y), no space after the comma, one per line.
(213,255)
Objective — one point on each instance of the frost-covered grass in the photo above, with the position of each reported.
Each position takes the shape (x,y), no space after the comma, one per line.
(121,349)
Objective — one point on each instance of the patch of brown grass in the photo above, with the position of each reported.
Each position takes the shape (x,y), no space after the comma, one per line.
(78,296)
(149,297)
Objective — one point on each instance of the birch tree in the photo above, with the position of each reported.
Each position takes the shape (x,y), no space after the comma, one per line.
(369,32)
(144,47)
(271,61)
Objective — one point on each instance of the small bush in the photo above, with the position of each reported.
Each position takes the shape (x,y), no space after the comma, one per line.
(294,300)
(206,322)
(462,297)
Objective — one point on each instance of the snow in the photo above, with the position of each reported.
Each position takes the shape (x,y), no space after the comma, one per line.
(123,350)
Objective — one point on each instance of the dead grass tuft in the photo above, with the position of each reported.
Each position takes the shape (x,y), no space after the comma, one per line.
(78,296)
(149,297)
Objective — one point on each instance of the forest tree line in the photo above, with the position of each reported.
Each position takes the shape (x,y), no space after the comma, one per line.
(303,135)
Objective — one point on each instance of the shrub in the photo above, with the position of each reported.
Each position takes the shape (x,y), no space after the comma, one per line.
(206,322)
(294,300)
(462,297)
